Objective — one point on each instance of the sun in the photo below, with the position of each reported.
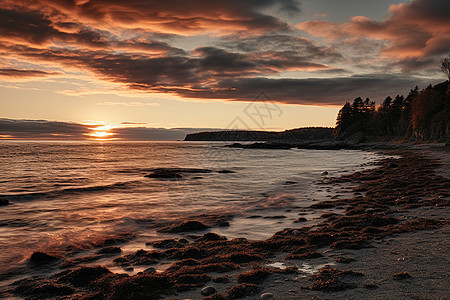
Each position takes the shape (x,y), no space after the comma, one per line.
(101,132)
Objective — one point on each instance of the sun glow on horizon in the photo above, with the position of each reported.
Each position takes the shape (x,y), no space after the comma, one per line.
(102,132)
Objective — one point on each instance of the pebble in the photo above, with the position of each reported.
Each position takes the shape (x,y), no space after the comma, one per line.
(266,296)
(150,270)
(208,291)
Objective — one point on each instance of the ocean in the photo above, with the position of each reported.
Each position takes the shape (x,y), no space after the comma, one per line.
(66,197)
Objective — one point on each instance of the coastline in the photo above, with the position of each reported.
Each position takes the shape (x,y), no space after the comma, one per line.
(381,216)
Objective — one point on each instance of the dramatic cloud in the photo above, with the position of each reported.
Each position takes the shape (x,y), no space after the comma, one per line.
(16,73)
(40,129)
(48,130)
(169,16)
(314,91)
(416,31)
(223,49)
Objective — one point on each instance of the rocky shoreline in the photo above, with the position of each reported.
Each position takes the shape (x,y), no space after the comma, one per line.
(209,266)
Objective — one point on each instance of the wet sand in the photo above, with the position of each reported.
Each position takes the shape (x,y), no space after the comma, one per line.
(389,242)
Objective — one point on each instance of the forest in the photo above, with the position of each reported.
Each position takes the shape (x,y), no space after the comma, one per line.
(420,116)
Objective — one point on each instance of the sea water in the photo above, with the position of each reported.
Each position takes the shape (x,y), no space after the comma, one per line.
(72,195)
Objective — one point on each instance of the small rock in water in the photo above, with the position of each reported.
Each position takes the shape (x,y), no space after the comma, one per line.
(299,220)
(185,226)
(42,258)
(209,290)
(149,270)
(211,236)
(266,296)
(4,202)
(164,174)
(129,269)
(401,275)
(324,173)
(225,171)
(290,182)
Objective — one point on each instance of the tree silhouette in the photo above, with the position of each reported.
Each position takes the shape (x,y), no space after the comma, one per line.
(421,115)
(445,66)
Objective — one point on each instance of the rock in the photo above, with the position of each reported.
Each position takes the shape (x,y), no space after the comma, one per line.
(169,243)
(38,288)
(306,255)
(241,291)
(266,296)
(41,258)
(4,202)
(209,290)
(290,182)
(129,269)
(325,173)
(225,171)
(401,276)
(185,226)
(297,232)
(210,236)
(300,220)
(109,251)
(256,276)
(149,270)
(275,217)
(82,276)
(163,173)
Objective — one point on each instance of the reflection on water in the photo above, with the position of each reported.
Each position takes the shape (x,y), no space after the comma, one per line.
(67,196)
(305,268)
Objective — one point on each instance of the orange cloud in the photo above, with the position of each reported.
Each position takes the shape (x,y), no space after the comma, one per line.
(169,16)
(417,30)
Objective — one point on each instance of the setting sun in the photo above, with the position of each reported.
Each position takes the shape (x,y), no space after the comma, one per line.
(102,132)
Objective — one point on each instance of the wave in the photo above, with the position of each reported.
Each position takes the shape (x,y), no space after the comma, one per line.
(67,191)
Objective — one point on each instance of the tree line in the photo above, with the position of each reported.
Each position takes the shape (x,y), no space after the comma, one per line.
(421,116)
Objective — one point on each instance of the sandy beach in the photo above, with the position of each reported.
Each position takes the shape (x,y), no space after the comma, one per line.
(389,240)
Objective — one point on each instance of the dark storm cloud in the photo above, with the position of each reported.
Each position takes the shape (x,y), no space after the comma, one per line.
(197,78)
(282,43)
(314,91)
(48,130)
(41,129)
(165,73)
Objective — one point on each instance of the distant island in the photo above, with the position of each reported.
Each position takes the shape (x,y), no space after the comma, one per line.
(299,134)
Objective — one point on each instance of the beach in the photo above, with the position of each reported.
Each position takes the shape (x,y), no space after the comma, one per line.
(381,234)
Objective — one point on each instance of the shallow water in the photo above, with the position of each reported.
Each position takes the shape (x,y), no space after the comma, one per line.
(77,194)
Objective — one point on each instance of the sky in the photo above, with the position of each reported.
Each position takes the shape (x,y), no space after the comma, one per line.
(208,64)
